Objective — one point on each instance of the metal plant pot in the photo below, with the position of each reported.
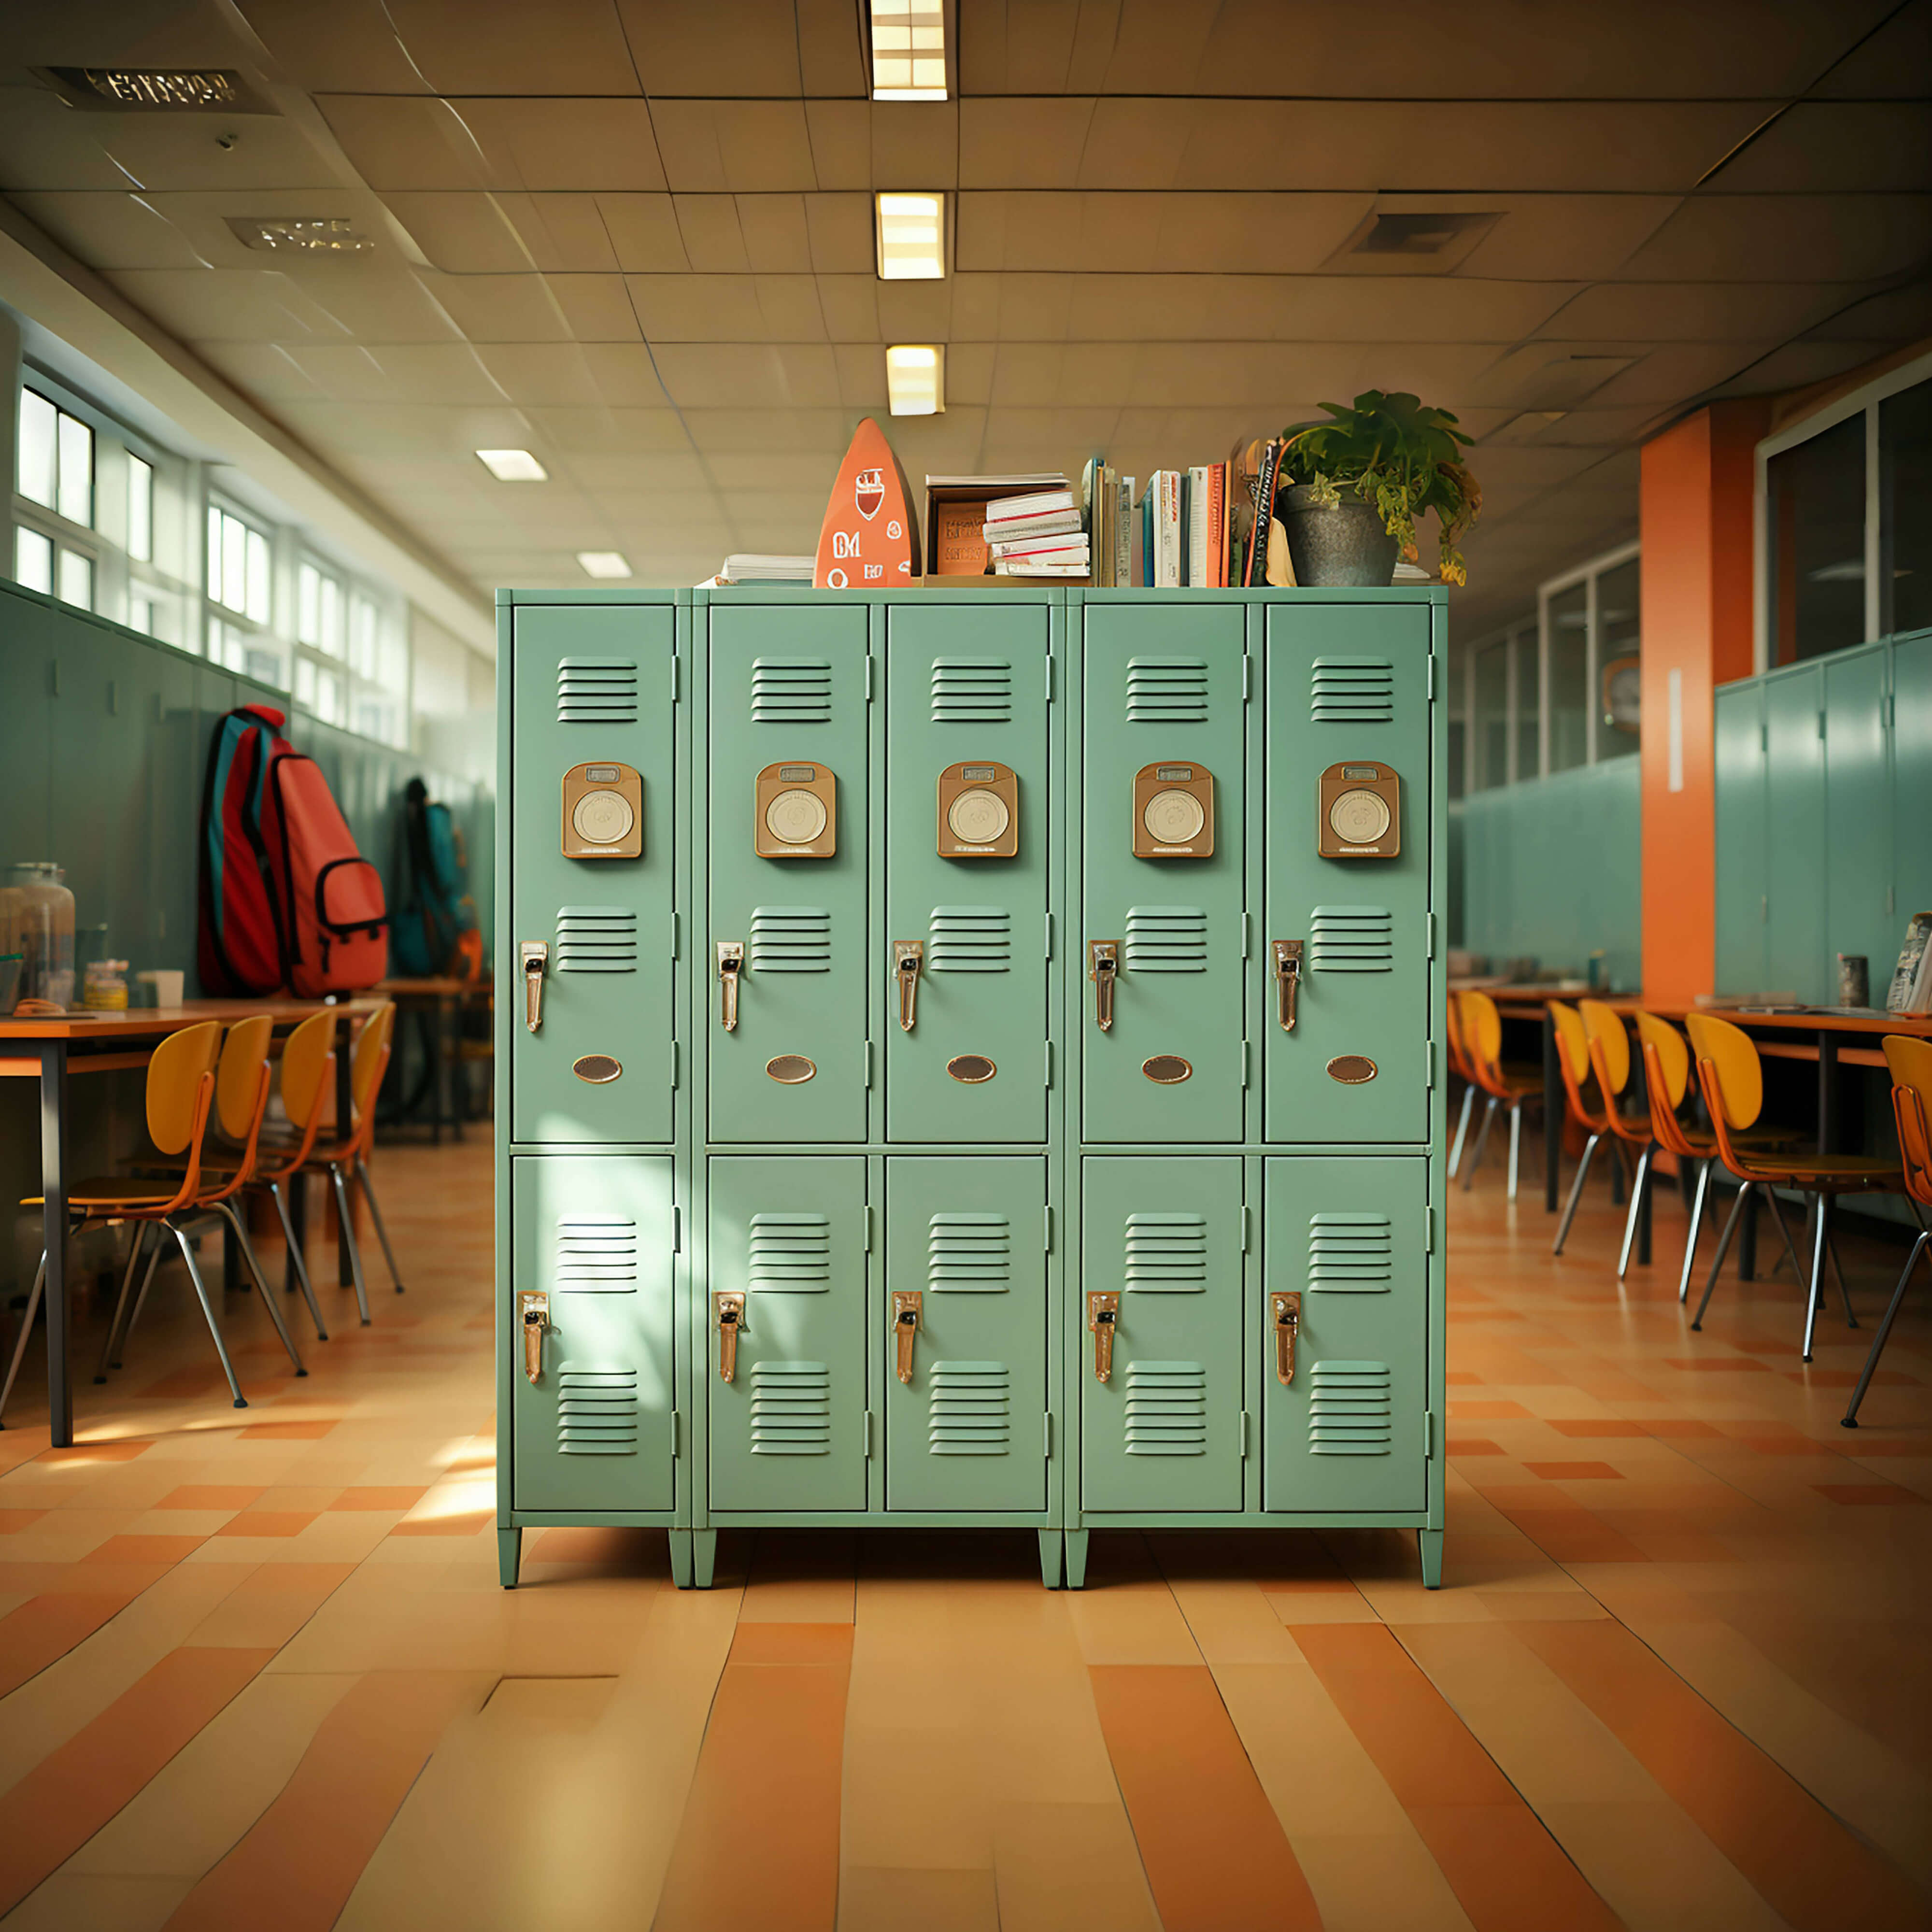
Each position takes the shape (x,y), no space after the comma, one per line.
(1342,546)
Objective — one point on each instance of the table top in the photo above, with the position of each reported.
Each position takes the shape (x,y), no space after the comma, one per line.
(1536,994)
(1918,1026)
(436,986)
(150,1022)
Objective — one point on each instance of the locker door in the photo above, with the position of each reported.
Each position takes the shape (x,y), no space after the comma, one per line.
(593,1232)
(969,1237)
(1163,1431)
(1859,829)
(787,690)
(1162,688)
(1347,686)
(1347,1431)
(1796,956)
(966,686)
(593,683)
(788,1431)
(1743,857)
(1911,792)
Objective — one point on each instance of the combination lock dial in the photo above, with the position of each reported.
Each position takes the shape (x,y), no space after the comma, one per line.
(1359,813)
(1174,812)
(796,812)
(979,812)
(603,812)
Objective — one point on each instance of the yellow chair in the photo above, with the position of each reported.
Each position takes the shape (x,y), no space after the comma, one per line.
(1507,1086)
(1733,1078)
(1910,1061)
(1573,1061)
(1610,1061)
(1459,1067)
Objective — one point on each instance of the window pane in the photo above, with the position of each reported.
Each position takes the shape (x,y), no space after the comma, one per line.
(211,578)
(305,683)
(234,562)
(1905,470)
(394,670)
(328,697)
(1617,651)
(38,418)
(141,614)
(263,663)
(362,637)
(33,561)
(1492,716)
(140,509)
(308,605)
(1817,530)
(1528,701)
(76,579)
(329,633)
(76,471)
(1569,678)
(258,577)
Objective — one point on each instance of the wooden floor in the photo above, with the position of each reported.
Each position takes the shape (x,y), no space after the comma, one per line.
(259,1673)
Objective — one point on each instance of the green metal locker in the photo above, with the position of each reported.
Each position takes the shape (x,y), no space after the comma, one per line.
(1795,959)
(1911,803)
(1858,823)
(1743,856)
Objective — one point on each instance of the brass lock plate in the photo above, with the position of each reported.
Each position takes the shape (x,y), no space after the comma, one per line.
(796,814)
(603,812)
(1103,1320)
(979,812)
(1285,1314)
(1359,814)
(727,1315)
(533,1317)
(906,1308)
(1174,811)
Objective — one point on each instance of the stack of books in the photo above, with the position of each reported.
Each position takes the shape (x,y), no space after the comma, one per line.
(744,567)
(1187,529)
(1037,535)
(1108,498)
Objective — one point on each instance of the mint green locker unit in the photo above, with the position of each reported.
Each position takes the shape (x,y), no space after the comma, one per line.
(1344,1296)
(592,685)
(966,700)
(964,1334)
(1859,828)
(592,1400)
(1743,858)
(787,1236)
(1348,685)
(788,696)
(1163,1432)
(1163,692)
(1912,791)
(1796,960)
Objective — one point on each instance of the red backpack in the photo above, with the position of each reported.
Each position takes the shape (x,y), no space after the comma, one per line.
(335,920)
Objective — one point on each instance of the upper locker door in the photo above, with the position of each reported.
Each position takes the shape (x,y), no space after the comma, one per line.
(592,747)
(788,774)
(966,871)
(1348,708)
(1163,770)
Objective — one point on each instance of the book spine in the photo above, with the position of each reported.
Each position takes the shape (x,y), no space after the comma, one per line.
(1256,574)
(1174,529)
(1185,478)
(1217,525)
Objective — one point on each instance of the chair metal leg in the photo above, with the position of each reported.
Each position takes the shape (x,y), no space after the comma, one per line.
(296,1256)
(1784,1227)
(1482,1141)
(343,1221)
(1844,1292)
(1724,1248)
(140,1234)
(1697,1200)
(1462,1127)
(1637,1186)
(208,1310)
(1849,1420)
(1575,1193)
(1817,1288)
(270,1300)
(376,1215)
(26,1329)
(1516,1145)
(140,1302)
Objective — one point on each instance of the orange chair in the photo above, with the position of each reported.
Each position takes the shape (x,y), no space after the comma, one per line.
(1459,1067)
(1910,1061)
(1572,1060)
(1610,1061)
(1507,1086)
(1733,1078)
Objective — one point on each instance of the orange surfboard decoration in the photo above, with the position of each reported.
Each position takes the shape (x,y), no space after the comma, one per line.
(868,541)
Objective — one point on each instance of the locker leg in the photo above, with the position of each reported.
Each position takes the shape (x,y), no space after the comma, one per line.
(1076,1559)
(680,1559)
(1428,1545)
(1052,1558)
(703,1557)
(509,1555)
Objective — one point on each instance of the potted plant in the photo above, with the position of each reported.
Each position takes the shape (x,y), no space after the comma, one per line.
(1350,489)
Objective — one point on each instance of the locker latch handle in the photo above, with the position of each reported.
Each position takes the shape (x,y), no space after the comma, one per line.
(533,1312)
(731,964)
(729,1305)
(535,956)
(1103,1318)
(1103,967)
(905,1325)
(1287,978)
(1287,1310)
(908,955)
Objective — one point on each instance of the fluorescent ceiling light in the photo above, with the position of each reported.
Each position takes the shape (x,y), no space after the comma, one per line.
(912,237)
(908,50)
(603,563)
(915,378)
(303,236)
(513,466)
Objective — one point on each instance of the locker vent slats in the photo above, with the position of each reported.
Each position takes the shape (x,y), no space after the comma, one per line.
(1167,1408)
(972,690)
(969,1254)
(1351,939)
(597,691)
(1167,691)
(1167,939)
(791,1408)
(967,1409)
(789,1254)
(791,691)
(790,939)
(1351,1254)
(1352,690)
(1349,1409)
(596,1411)
(596,939)
(1167,1254)
(596,1254)
(971,939)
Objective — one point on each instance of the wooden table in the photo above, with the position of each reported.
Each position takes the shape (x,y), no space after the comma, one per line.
(51,1047)
(438,1000)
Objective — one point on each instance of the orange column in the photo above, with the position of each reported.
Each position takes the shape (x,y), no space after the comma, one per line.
(1695,511)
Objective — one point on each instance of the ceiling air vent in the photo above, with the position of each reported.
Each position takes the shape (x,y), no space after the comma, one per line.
(278,234)
(156,90)
(1417,234)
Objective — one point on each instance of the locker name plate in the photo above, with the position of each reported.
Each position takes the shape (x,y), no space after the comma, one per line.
(979,812)
(796,812)
(1359,815)
(603,812)
(1174,812)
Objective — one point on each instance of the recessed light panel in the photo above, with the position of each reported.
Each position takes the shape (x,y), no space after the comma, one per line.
(915,378)
(908,50)
(603,563)
(912,237)
(155,90)
(307,236)
(513,466)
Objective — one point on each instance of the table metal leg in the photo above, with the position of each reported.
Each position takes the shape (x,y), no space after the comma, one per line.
(1828,1138)
(296,1201)
(448,1044)
(345,1236)
(53,1230)
(1552,1113)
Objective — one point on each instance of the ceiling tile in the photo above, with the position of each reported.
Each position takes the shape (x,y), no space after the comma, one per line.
(508,47)
(643,232)
(690,46)
(794,377)
(1894,59)
(853,306)
(265,371)
(446,372)
(840,134)
(915,144)
(462,233)
(596,308)
(827,431)
(551,374)
(1097,232)
(840,229)
(1796,364)
(714,239)
(393,142)
(228,305)
(349,46)
(1692,311)
(713,147)
(1021,144)
(1553,237)
(499,308)
(1827,147)
(45,144)
(579,143)
(1798,237)
(831,60)
(1903,314)
(109,229)
(560,232)
(774,234)
(624,375)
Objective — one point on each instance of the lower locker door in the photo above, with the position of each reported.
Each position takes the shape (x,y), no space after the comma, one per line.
(788,1431)
(1349,1431)
(592,1431)
(1164,1431)
(968,1237)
